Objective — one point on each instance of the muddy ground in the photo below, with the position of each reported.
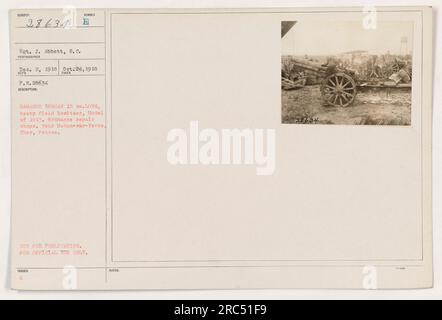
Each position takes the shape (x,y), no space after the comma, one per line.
(371,107)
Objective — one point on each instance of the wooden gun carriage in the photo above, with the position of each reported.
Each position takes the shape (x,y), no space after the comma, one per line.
(338,87)
(338,84)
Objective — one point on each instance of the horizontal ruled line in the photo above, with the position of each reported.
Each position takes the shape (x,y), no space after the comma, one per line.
(78,42)
(62,75)
(58,28)
(224,266)
(55,59)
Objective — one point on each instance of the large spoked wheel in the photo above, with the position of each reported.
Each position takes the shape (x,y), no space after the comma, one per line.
(339,90)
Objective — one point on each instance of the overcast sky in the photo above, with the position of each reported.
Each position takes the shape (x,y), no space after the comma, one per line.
(332,37)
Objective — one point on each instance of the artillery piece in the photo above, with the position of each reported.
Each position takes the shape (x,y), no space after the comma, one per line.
(338,85)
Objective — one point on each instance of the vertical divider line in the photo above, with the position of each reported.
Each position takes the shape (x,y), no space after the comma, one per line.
(105,149)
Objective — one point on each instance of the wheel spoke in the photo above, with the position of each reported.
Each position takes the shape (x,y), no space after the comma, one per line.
(328,92)
(340,100)
(329,88)
(346,84)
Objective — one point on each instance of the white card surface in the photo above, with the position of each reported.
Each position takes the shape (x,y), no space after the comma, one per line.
(211,149)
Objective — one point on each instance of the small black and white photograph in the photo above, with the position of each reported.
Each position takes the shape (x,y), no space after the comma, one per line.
(346,73)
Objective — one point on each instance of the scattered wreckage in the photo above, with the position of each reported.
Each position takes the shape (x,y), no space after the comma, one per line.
(339,85)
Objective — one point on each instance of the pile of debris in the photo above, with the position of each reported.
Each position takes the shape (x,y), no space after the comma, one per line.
(396,74)
(296,73)
(288,84)
(386,69)
(403,75)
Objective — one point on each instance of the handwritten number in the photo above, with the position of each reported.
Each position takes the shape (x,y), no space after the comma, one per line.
(55,23)
(48,23)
